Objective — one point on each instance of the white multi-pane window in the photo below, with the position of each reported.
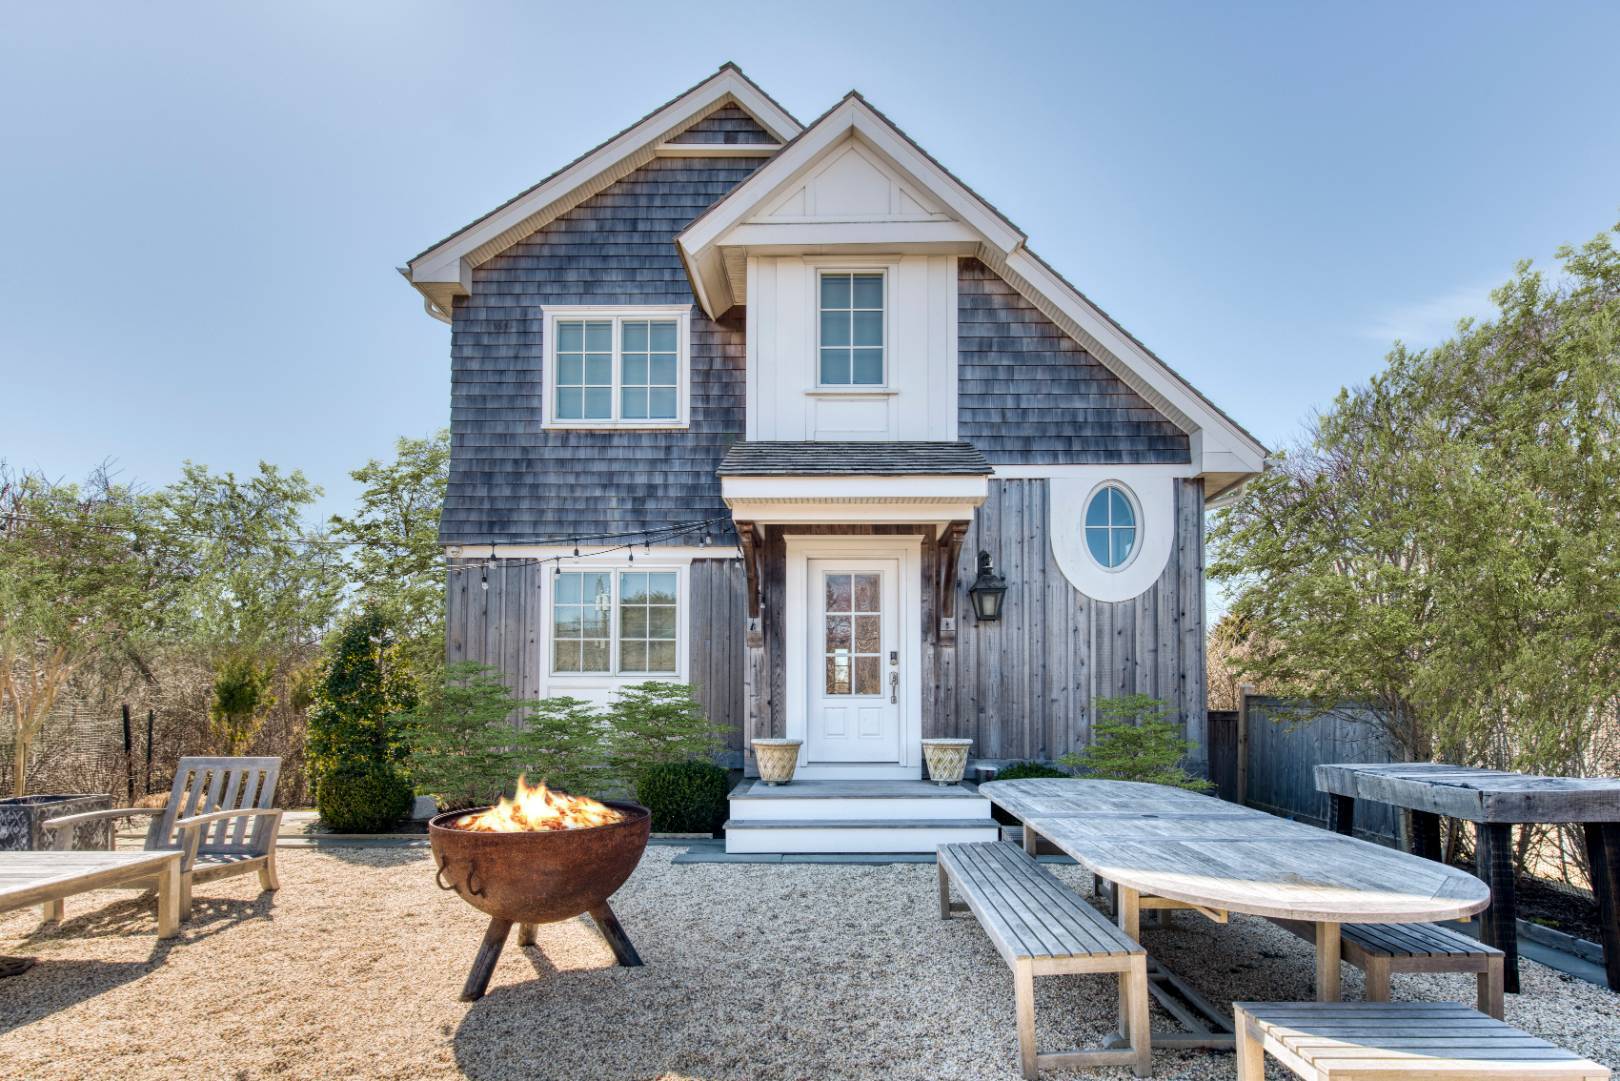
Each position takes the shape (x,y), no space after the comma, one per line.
(1111,527)
(851,328)
(616,368)
(615,622)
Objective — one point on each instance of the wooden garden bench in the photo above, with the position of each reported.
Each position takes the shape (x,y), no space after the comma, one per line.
(1393,1041)
(1042,928)
(1379,949)
(219,815)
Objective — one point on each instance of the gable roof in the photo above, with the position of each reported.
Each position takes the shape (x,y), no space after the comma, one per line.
(444,270)
(1222,448)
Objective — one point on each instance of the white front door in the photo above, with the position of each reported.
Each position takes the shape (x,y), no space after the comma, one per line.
(853,709)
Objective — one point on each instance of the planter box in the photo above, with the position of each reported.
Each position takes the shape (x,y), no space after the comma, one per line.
(21,819)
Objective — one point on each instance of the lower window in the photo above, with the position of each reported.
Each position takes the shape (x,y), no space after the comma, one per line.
(614,622)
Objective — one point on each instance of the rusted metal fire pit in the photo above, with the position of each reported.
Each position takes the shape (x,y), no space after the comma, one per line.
(534,876)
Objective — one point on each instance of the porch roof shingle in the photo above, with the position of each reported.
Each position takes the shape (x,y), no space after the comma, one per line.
(853,458)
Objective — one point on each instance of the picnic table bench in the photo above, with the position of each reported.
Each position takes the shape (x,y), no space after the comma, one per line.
(49,878)
(1495,801)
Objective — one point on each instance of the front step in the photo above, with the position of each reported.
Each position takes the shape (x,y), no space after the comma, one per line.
(855,816)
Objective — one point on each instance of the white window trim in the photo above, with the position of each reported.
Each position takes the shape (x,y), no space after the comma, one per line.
(555,681)
(819,271)
(619,314)
(1136,516)
(1153,487)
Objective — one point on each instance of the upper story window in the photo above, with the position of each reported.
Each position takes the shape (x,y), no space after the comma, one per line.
(851,332)
(616,367)
(1111,526)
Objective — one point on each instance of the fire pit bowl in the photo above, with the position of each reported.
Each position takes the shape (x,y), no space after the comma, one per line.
(538,876)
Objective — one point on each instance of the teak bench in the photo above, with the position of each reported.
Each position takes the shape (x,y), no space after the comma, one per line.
(1379,949)
(1393,1041)
(1042,928)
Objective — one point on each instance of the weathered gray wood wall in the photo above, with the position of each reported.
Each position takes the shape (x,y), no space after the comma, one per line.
(718,622)
(1023,687)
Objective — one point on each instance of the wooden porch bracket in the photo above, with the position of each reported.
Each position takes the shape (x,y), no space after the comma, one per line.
(753,554)
(950,549)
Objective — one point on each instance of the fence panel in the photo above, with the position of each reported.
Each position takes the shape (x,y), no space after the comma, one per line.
(1284,752)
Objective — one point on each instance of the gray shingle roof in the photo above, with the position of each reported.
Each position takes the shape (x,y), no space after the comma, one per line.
(871,459)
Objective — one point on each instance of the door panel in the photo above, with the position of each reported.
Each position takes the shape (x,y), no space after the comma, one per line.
(853,663)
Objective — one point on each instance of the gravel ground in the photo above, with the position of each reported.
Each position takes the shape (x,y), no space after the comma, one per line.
(752,971)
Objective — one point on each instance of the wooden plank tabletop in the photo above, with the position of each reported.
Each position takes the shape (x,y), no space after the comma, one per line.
(1475,795)
(1204,854)
(26,873)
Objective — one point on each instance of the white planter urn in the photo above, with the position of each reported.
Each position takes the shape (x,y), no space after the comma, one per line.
(946,758)
(777,759)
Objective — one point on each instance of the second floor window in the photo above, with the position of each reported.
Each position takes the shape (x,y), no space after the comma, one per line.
(851,333)
(616,369)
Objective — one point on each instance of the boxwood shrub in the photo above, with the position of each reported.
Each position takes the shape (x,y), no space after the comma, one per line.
(684,797)
(362,798)
(1023,771)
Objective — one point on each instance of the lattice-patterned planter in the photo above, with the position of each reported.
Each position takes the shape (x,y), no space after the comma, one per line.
(777,759)
(946,758)
(22,821)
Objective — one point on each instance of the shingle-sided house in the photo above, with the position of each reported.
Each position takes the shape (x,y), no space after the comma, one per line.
(738,402)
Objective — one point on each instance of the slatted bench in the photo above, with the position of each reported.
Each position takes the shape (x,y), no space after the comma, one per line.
(1042,928)
(1381,948)
(1393,1041)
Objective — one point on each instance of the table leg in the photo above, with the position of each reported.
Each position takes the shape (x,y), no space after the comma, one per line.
(1342,814)
(1493,855)
(1128,911)
(168,899)
(1327,962)
(1426,835)
(1603,856)
(1032,840)
(52,912)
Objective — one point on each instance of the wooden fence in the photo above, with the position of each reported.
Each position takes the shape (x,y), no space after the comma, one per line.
(1265,755)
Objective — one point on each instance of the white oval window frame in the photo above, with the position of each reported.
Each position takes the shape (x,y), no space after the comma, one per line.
(1136,516)
(1152,494)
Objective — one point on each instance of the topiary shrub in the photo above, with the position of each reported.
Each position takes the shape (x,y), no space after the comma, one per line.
(684,797)
(1135,740)
(1023,771)
(362,798)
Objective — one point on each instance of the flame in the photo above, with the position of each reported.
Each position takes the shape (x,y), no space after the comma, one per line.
(537,809)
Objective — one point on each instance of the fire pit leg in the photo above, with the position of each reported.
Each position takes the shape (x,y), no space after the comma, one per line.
(484,964)
(526,934)
(608,924)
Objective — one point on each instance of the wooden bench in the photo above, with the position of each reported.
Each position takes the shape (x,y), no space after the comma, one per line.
(1042,928)
(1390,1041)
(1381,948)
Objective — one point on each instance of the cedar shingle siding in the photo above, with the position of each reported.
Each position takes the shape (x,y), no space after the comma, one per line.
(1030,393)
(727,124)
(511,480)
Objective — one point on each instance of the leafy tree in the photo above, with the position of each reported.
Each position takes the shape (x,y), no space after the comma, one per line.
(1135,740)
(362,693)
(1442,545)
(657,722)
(562,741)
(395,559)
(461,737)
(241,697)
(75,574)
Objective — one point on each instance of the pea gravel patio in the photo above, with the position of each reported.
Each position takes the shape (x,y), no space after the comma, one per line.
(752,971)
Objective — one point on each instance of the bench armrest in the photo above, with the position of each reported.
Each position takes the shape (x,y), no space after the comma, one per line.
(189,831)
(63,826)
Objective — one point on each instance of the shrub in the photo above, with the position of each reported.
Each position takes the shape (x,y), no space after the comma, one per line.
(563,742)
(1136,741)
(1024,771)
(684,797)
(362,798)
(654,723)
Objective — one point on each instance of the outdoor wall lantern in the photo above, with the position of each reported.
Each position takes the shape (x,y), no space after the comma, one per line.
(986,591)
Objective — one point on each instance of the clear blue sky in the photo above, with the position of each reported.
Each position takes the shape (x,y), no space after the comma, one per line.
(203,205)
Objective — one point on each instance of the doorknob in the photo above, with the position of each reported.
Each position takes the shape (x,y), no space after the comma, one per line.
(894,687)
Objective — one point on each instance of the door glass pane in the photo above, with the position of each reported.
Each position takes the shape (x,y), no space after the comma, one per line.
(868,634)
(866,675)
(838,592)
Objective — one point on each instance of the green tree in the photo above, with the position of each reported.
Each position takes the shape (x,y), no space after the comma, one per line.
(76,577)
(1442,546)
(361,696)
(241,698)
(1134,739)
(461,738)
(394,556)
(657,722)
(562,741)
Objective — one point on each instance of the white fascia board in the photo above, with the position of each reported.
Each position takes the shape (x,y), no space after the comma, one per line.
(862,489)
(443,262)
(887,235)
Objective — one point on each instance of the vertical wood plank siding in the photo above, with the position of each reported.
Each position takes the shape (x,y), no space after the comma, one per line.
(511,479)
(1023,687)
(718,622)
(1027,392)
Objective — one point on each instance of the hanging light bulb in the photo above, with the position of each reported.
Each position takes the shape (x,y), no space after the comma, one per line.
(483,574)
(576,549)
(707,538)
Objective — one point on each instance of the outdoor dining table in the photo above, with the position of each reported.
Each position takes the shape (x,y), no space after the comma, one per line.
(1163,847)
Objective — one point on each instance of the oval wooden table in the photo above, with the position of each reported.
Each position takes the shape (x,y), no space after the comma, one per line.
(1167,848)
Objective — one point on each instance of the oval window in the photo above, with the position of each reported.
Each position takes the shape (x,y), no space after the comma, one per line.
(1111,527)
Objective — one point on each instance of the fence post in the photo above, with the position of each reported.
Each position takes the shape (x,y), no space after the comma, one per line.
(129,758)
(1244,691)
(151,715)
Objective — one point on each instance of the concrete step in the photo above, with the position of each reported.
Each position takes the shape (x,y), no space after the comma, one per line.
(754,801)
(887,835)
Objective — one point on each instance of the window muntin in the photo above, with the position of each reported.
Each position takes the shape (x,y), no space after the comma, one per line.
(852,644)
(851,339)
(607,622)
(1111,526)
(611,369)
